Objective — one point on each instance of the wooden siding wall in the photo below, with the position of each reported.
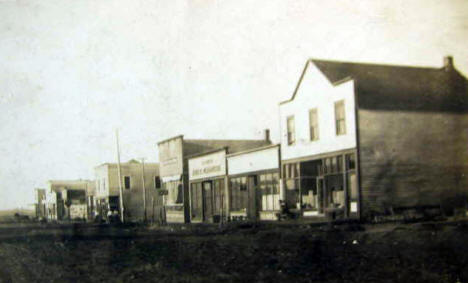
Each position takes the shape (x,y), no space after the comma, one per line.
(133,197)
(412,158)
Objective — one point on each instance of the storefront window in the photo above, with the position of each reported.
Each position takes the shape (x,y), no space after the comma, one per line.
(174,192)
(339,163)
(218,195)
(239,197)
(309,193)
(336,192)
(269,191)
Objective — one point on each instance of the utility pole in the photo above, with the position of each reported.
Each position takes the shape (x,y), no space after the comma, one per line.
(144,188)
(120,178)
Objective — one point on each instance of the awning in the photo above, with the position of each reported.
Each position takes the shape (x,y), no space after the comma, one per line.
(172,178)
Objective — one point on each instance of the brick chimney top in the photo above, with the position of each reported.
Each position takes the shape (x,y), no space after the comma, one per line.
(448,63)
(267,135)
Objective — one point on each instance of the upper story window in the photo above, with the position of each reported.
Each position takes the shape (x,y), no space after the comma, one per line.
(291,130)
(157,182)
(127,182)
(313,124)
(340,121)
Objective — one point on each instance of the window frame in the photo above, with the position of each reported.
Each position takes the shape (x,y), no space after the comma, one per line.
(291,133)
(129,182)
(340,105)
(157,180)
(313,127)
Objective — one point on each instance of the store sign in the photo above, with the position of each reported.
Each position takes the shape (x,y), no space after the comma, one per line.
(265,159)
(170,156)
(207,166)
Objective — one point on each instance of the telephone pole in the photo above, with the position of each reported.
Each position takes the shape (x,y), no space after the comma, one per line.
(120,178)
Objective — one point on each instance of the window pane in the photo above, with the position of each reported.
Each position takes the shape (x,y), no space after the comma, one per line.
(157,182)
(313,124)
(333,166)
(340,118)
(268,182)
(127,182)
(275,177)
(340,163)
(291,130)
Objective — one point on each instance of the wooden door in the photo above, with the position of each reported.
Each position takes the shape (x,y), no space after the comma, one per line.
(321,192)
(207,201)
(197,201)
(252,197)
(218,197)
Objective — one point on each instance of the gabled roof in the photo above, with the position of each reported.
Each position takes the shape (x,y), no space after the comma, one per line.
(389,87)
(130,162)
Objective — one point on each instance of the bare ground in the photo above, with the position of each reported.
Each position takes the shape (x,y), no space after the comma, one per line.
(425,252)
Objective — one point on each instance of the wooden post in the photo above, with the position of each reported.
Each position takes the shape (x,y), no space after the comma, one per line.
(345,186)
(152,209)
(144,188)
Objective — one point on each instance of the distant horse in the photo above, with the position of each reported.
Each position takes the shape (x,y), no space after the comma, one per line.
(21,218)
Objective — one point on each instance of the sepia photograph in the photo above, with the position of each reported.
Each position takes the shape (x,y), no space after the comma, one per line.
(234,141)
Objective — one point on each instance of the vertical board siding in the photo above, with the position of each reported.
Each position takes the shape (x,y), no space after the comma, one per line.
(412,159)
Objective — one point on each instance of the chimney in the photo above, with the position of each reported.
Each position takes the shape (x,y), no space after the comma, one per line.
(267,135)
(448,63)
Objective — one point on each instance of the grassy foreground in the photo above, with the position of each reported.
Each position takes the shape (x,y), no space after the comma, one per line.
(431,252)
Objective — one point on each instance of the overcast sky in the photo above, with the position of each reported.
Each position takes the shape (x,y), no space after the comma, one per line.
(73,71)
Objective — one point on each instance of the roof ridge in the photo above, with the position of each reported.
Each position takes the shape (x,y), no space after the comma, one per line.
(314,60)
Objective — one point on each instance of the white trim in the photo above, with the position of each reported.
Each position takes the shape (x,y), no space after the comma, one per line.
(171,178)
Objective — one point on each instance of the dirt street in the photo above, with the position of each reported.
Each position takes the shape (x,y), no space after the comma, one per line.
(431,252)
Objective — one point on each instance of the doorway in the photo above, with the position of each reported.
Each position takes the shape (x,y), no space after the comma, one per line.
(321,194)
(207,201)
(253,196)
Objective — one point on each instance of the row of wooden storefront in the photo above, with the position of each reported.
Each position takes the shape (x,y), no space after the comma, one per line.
(254,185)
(240,186)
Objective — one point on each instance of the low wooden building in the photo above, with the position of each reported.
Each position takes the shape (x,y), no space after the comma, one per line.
(366,139)
(173,156)
(207,178)
(40,204)
(66,199)
(254,183)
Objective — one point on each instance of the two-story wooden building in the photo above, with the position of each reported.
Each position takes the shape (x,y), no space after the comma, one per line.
(140,185)
(364,139)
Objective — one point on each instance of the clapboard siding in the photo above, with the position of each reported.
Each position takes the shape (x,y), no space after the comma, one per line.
(412,158)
